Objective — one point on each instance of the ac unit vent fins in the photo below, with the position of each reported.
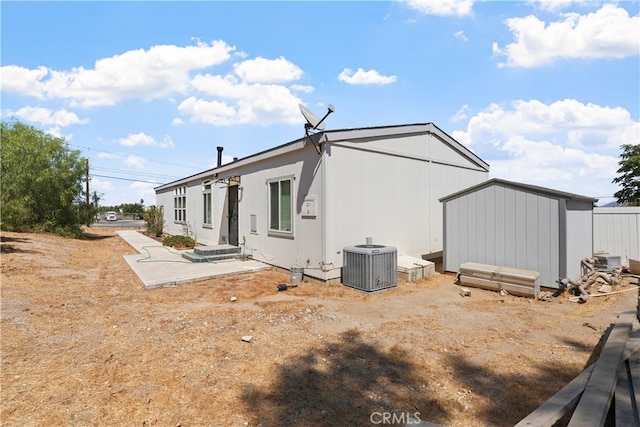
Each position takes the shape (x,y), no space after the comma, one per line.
(370,268)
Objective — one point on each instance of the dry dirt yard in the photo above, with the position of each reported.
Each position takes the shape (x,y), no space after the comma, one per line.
(83,343)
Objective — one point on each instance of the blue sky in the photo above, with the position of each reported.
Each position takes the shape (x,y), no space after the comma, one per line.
(543,91)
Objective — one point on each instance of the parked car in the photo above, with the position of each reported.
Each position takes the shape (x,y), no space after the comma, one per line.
(111,216)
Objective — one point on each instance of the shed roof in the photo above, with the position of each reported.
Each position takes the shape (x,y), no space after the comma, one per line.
(334,136)
(520,186)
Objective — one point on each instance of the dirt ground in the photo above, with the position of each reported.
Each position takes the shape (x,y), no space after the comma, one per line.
(83,343)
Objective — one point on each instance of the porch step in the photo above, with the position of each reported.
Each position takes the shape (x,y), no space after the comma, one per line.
(212,253)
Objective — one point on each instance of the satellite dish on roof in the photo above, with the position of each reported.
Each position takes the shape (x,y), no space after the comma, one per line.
(313,122)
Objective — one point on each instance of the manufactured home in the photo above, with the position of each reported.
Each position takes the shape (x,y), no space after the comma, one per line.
(300,204)
(515,225)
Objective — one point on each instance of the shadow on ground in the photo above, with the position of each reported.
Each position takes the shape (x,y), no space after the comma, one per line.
(513,397)
(349,383)
(90,236)
(7,245)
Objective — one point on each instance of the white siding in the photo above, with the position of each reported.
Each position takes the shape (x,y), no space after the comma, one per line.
(306,242)
(384,184)
(391,197)
(617,231)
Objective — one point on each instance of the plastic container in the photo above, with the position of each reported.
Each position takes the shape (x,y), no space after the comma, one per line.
(296,274)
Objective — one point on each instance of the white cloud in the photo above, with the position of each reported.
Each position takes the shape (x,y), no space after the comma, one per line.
(362,77)
(241,104)
(556,5)
(252,93)
(46,117)
(566,145)
(607,33)
(461,114)
(143,190)
(261,70)
(460,35)
(22,80)
(99,185)
(133,140)
(302,88)
(441,7)
(140,73)
(567,120)
(134,161)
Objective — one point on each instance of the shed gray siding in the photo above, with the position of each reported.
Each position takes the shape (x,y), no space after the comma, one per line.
(579,236)
(616,231)
(503,226)
(519,226)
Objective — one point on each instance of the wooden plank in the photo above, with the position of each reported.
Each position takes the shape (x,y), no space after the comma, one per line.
(566,399)
(595,401)
(634,376)
(559,404)
(493,285)
(625,411)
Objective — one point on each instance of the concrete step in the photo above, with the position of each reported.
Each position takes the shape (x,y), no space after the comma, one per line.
(195,257)
(215,250)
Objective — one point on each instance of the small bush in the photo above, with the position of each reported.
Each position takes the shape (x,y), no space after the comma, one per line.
(154,219)
(179,242)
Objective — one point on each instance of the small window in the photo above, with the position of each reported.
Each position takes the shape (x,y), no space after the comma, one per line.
(180,204)
(254,223)
(280,206)
(207,217)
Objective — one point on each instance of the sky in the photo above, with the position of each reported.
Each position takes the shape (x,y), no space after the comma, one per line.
(545,92)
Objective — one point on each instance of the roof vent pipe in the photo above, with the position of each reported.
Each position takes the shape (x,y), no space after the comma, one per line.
(220,156)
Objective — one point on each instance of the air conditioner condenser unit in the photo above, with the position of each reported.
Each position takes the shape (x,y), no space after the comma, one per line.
(370,267)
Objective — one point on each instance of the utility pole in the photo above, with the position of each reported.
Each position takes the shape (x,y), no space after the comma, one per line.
(88,182)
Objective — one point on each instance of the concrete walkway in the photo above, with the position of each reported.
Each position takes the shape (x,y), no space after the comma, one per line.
(157,266)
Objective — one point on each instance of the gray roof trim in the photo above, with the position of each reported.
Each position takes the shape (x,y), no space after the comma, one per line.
(229,167)
(521,186)
(332,136)
(408,129)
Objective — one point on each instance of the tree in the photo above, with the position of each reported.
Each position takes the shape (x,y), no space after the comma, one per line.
(132,208)
(629,176)
(41,181)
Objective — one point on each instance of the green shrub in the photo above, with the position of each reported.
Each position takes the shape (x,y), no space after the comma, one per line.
(179,242)
(154,220)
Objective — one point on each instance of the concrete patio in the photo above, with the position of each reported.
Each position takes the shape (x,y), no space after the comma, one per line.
(157,266)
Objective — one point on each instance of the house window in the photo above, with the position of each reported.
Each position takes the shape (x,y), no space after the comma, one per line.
(207,219)
(180,204)
(254,223)
(280,205)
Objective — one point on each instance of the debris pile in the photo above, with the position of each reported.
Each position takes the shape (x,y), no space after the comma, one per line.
(599,275)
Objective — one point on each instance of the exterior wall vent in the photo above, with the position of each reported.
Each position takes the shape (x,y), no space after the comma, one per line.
(370,267)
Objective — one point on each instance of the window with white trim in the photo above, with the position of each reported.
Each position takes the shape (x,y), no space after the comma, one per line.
(207,217)
(281,205)
(180,204)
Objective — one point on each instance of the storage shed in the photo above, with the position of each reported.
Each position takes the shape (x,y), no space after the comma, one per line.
(516,225)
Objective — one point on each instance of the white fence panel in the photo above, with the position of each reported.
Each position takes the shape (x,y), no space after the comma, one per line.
(616,231)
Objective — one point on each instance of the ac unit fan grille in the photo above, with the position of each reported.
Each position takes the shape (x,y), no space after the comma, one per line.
(370,268)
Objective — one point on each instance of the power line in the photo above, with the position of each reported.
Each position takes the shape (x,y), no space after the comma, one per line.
(140,157)
(128,179)
(134,172)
